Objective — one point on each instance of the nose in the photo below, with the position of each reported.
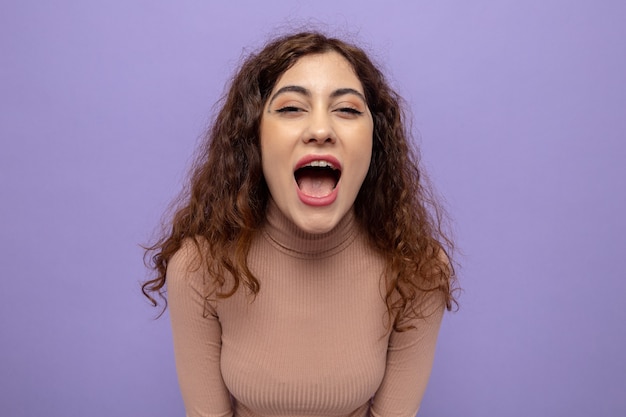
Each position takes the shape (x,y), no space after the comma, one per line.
(320,129)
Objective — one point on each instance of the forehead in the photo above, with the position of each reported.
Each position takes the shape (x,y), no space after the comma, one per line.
(317,71)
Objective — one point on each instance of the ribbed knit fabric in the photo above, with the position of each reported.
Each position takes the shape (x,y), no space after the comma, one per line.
(313,342)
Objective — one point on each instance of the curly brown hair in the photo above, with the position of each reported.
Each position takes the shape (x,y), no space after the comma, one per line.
(225,202)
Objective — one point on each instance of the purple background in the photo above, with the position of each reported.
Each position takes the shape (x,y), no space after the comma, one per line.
(521,112)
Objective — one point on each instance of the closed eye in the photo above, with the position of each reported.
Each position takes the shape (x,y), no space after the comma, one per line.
(349,111)
(289,109)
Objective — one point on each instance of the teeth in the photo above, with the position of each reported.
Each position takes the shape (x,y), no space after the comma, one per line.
(320,164)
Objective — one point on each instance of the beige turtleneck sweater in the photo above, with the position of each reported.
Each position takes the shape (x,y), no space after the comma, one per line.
(313,342)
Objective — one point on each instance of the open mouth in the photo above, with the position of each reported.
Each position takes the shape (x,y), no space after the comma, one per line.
(317,178)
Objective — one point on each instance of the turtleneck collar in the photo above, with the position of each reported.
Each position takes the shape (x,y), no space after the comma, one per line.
(285,236)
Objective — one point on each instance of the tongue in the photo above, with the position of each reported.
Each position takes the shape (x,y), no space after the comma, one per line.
(316,184)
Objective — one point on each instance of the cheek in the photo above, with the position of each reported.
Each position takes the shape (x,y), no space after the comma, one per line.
(268,142)
(365,162)
(272,138)
(274,157)
(361,160)
(365,150)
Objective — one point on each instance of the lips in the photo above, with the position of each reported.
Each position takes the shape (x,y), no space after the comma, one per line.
(317,177)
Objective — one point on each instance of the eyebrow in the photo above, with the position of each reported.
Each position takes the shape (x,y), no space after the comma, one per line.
(301,90)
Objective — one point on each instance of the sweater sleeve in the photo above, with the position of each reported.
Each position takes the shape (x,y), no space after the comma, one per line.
(197,337)
(410,356)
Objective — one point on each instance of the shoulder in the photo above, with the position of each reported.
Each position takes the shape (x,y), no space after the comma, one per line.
(427,296)
(188,282)
(188,265)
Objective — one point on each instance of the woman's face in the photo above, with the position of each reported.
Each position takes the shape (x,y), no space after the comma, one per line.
(316,141)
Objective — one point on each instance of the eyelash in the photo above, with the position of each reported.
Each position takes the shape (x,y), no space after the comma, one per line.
(289,109)
(350,110)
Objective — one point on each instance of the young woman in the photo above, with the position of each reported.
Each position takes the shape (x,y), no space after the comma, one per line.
(305,268)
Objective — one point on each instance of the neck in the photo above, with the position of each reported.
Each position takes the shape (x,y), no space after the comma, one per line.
(286,236)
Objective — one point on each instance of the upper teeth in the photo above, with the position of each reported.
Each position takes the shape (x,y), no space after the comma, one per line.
(320,164)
